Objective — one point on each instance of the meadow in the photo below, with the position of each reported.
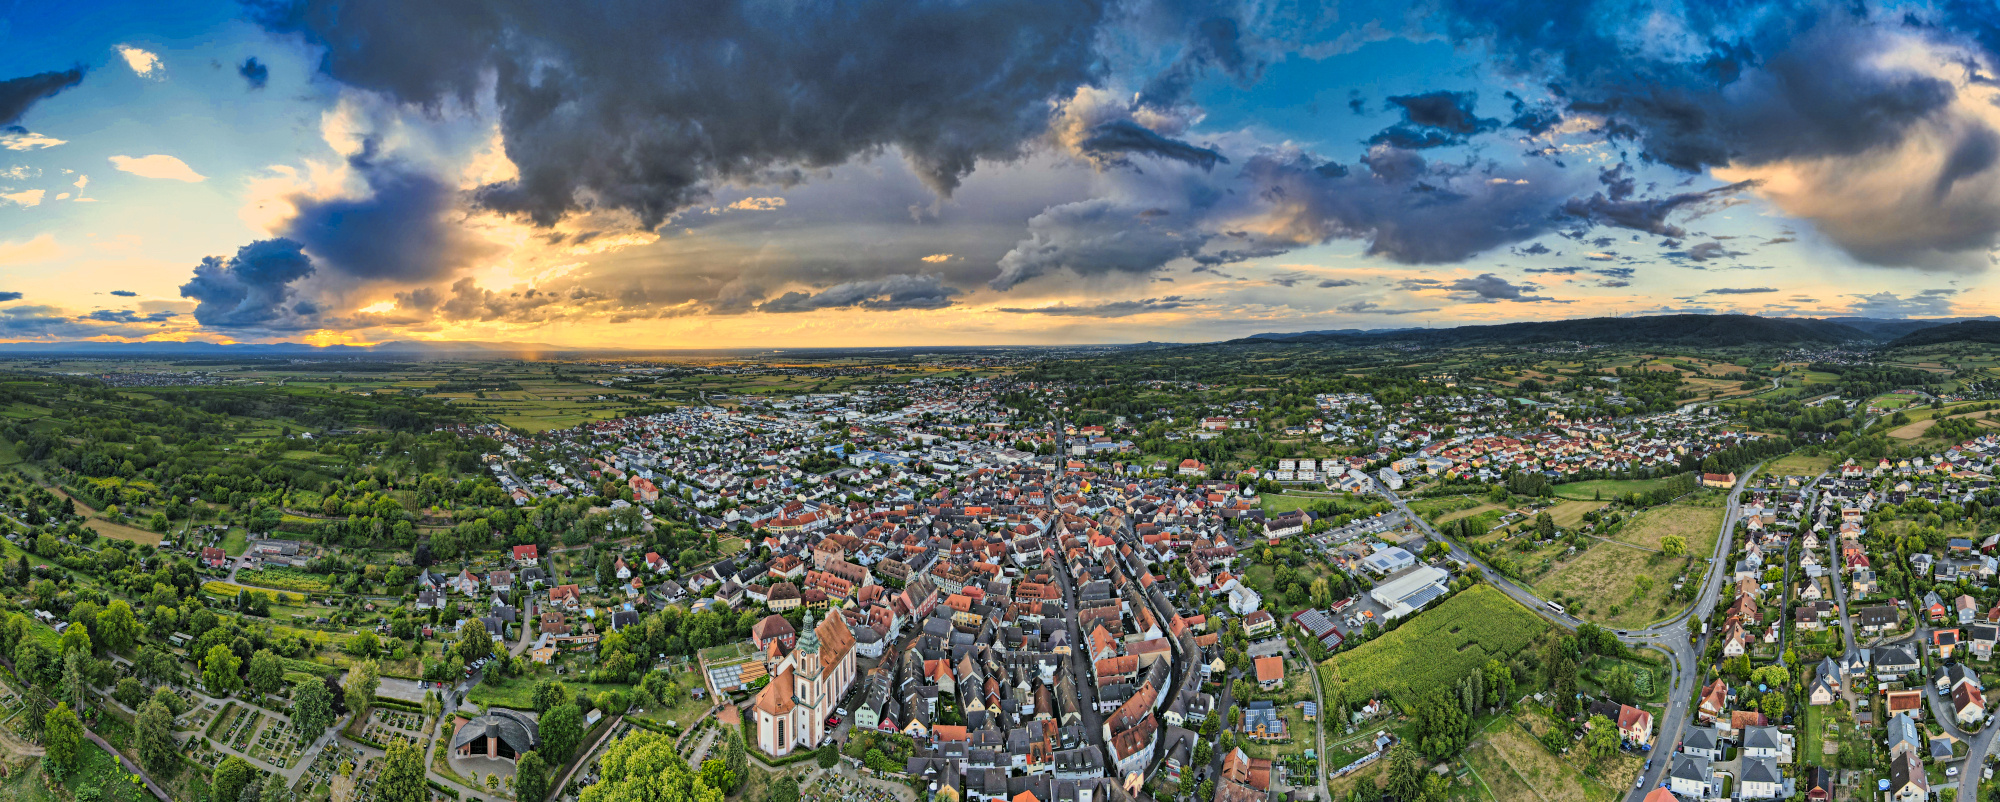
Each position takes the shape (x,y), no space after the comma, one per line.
(1436,648)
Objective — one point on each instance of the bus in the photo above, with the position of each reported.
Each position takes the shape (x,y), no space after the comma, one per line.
(1558,608)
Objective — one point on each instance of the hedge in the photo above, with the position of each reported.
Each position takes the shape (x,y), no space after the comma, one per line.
(398,704)
(217,721)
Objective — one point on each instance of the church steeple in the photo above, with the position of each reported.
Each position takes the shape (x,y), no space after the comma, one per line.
(809,642)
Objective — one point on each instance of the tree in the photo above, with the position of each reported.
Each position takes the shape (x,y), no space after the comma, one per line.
(549,693)
(531,778)
(130,693)
(1619,684)
(828,755)
(737,760)
(473,642)
(783,789)
(561,730)
(1602,740)
(312,706)
(62,740)
(1673,545)
(1406,772)
(275,791)
(74,640)
(231,775)
(117,627)
(220,671)
(362,680)
(73,685)
(267,673)
(156,735)
(645,766)
(717,775)
(402,777)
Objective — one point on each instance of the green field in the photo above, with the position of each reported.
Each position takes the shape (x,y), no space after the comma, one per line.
(1436,648)
(1798,465)
(1603,584)
(1607,488)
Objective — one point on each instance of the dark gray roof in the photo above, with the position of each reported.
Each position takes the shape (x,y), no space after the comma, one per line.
(515,728)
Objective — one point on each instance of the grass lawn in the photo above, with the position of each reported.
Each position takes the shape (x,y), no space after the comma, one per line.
(1468,512)
(1700,524)
(122,532)
(1295,724)
(1432,508)
(1278,503)
(1569,514)
(96,769)
(1609,575)
(1798,465)
(1606,488)
(1810,736)
(235,541)
(1552,777)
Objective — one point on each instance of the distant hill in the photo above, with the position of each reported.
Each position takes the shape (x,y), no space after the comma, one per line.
(1688,330)
(1882,329)
(1969,331)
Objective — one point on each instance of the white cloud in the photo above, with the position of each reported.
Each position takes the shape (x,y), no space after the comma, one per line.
(144,62)
(27,140)
(81,182)
(158,165)
(31,197)
(41,248)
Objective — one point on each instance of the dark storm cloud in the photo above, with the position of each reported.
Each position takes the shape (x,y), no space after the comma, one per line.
(1925,303)
(1705,251)
(1535,119)
(1971,156)
(886,293)
(128,316)
(251,288)
(125,293)
(9,296)
(1109,309)
(1410,210)
(1739,290)
(1331,283)
(1125,136)
(254,72)
(1487,288)
(1096,237)
(1216,44)
(1798,80)
(643,106)
(404,230)
(1615,206)
(1365,307)
(1535,249)
(1230,256)
(17,94)
(1434,119)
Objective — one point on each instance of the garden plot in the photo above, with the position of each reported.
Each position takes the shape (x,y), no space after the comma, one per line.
(279,744)
(387,726)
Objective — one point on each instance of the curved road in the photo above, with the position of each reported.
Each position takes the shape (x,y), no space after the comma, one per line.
(1675,636)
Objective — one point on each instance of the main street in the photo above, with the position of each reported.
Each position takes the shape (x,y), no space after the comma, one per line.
(1676,636)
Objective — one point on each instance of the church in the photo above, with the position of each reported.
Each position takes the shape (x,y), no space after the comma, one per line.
(806,682)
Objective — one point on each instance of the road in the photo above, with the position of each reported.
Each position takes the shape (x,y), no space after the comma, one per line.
(1674,636)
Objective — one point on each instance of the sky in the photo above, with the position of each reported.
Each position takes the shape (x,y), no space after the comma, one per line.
(750,173)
